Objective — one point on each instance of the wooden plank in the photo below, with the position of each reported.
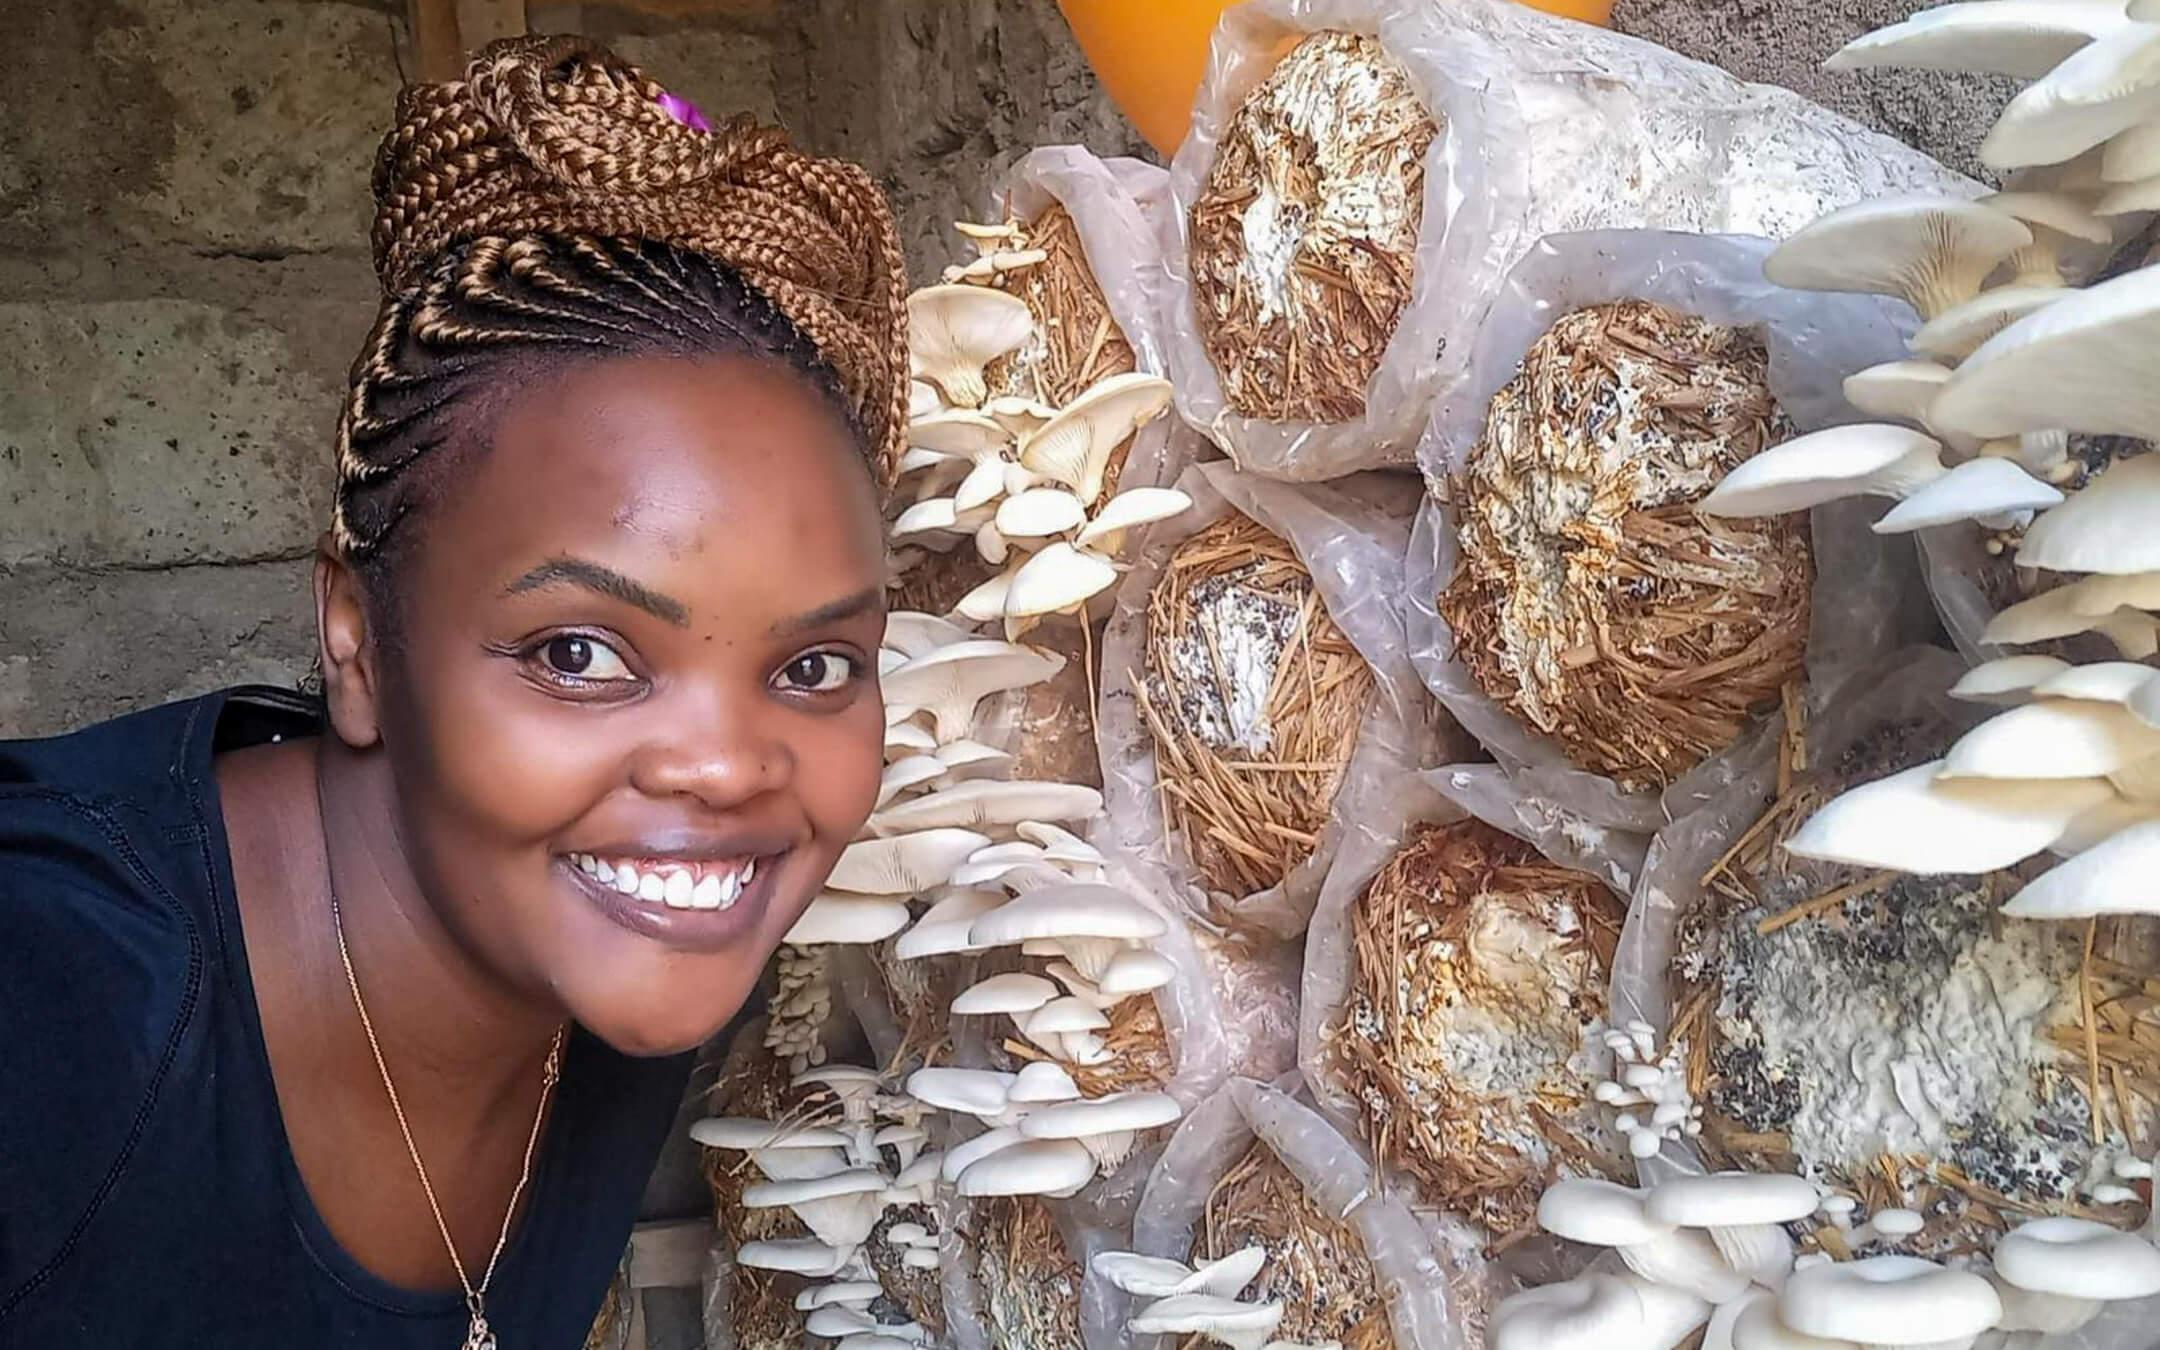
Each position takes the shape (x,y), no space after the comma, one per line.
(437,53)
(483,21)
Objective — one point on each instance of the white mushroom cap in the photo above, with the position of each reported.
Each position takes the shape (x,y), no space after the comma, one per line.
(2024,1310)
(1118,1114)
(1081,910)
(1888,1300)
(975,1092)
(2132,156)
(2061,612)
(2008,679)
(2114,876)
(1136,972)
(744,1135)
(1974,490)
(908,738)
(2058,220)
(1869,459)
(902,774)
(1052,1167)
(1064,1016)
(1019,416)
(923,399)
(939,514)
(1039,513)
(838,1321)
(1730,1199)
(2098,682)
(990,545)
(954,331)
(1058,844)
(839,919)
(2099,91)
(2104,529)
(1756,1327)
(884,1339)
(2025,38)
(2098,824)
(1041,1082)
(960,433)
(1240,1326)
(2078,1258)
(1600,1213)
(986,603)
(949,681)
(966,1155)
(943,928)
(1595,1312)
(1961,330)
(1901,389)
(1075,447)
(1015,993)
(2079,363)
(798,1256)
(988,803)
(1916,821)
(2053,738)
(968,759)
(2102,594)
(907,864)
(1931,252)
(1057,580)
(846,1293)
(1145,1276)
(1129,510)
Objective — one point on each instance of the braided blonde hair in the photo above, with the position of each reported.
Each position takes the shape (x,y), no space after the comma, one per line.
(553,201)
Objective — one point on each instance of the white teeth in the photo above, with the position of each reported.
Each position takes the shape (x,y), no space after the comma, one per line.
(730,889)
(651,887)
(679,886)
(626,879)
(749,870)
(604,870)
(708,893)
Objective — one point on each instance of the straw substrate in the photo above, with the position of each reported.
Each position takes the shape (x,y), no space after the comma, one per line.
(1254,699)
(763,1302)
(1030,1281)
(1138,1053)
(1899,1038)
(1304,238)
(1316,1263)
(1077,343)
(1591,598)
(1480,969)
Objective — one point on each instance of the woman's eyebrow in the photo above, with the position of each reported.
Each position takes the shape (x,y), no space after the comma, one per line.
(847,607)
(603,581)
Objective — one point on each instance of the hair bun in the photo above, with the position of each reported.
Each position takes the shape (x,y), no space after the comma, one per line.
(586,118)
(560,136)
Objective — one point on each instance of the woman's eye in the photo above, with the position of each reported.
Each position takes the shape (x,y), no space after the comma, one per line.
(818,672)
(583,658)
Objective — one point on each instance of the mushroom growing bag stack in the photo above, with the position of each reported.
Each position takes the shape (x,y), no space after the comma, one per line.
(1623,644)
(1294,591)
(1538,126)
(1892,1036)
(1455,984)
(1349,1264)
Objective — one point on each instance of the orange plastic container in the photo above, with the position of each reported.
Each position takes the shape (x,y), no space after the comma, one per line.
(1150,54)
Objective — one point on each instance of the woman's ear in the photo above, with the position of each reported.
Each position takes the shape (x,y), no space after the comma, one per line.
(350,657)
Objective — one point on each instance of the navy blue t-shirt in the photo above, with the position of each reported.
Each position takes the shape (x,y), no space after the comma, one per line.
(147,1193)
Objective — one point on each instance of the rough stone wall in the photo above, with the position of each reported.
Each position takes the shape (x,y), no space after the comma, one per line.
(183,275)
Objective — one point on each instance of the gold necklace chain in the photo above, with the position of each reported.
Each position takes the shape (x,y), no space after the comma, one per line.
(478,1335)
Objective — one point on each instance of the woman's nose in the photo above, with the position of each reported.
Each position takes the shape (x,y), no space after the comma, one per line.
(721,750)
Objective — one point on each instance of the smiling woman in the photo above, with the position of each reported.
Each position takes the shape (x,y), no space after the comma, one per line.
(360,1022)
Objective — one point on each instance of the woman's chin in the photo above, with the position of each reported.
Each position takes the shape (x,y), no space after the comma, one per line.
(649,1027)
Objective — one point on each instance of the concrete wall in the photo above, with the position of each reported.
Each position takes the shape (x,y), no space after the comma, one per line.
(183,275)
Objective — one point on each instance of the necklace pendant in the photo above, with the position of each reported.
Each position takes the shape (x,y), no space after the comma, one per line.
(479,1336)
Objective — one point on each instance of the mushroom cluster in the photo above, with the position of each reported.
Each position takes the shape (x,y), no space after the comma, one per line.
(1714,1252)
(1177,1300)
(1023,484)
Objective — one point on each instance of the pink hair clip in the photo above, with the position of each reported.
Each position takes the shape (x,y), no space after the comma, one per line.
(685,112)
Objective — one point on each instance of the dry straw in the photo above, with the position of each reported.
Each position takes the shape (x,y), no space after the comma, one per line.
(1591,598)
(1137,1053)
(1248,771)
(2109,1055)
(1304,238)
(1316,1264)
(1480,966)
(1077,343)
(1030,1282)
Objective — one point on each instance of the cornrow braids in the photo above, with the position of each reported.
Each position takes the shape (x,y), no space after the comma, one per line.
(552,204)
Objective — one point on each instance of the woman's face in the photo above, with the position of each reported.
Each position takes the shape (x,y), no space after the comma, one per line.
(633,709)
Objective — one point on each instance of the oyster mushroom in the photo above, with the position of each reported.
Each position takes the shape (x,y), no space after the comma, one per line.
(2025,38)
(988,803)
(1040,513)
(1902,389)
(2099,91)
(1060,579)
(1152,1277)
(907,864)
(1865,460)
(2056,1273)
(1596,1312)
(1889,1300)
(1605,1214)
(1052,1167)
(1074,448)
(795,1256)
(841,1210)
(943,928)
(950,681)
(1127,511)
(1961,330)
(1993,491)
(1743,1213)
(1090,924)
(1240,1326)
(836,918)
(1934,253)
(1919,821)
(2007,680)
(955,331)
(2052,739)
(2058,221)
(2113,876)
(1106,1126)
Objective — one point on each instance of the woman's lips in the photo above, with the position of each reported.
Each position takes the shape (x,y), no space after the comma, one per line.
(695,904)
